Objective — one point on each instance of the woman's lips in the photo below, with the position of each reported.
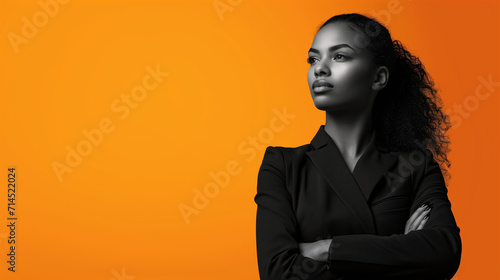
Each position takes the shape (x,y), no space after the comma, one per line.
(319,89)
(321,83)
(321,86)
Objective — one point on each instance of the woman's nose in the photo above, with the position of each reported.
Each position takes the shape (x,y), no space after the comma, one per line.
(321,69)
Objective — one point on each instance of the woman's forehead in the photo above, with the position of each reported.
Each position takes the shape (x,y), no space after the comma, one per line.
(337,33)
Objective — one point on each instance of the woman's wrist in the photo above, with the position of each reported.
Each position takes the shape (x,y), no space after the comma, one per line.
(323,249)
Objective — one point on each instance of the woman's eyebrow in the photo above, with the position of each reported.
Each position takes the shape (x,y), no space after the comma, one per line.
(332,48)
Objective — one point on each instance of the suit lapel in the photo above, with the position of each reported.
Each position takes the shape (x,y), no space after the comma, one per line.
(371,167)
(353,188)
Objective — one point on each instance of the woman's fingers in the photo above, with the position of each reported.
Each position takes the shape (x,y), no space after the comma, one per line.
(422,223)
(420,218)
(413,217)
(414,222)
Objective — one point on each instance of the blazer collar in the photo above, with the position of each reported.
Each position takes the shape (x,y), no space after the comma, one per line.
(353,188)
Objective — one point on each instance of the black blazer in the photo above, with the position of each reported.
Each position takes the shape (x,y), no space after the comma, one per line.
(308,193)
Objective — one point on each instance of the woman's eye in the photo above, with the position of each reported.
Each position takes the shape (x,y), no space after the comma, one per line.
(338,55)
(311,60)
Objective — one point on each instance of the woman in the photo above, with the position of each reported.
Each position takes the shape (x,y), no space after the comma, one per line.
(356,202)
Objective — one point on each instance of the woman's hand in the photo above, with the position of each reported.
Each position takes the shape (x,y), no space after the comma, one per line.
(316,250)
(418,218)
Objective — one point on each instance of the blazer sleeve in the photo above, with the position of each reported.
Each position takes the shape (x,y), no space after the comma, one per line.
(432,252)
(278,252)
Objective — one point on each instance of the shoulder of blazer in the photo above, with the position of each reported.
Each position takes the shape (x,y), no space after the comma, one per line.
(416,164)
(291,154)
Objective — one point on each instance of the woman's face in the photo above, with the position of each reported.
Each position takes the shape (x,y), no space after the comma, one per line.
(337,57)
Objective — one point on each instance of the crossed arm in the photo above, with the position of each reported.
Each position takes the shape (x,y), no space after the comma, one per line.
(319,250)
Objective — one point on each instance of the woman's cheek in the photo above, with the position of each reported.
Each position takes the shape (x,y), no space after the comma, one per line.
(351,76)
(310,76)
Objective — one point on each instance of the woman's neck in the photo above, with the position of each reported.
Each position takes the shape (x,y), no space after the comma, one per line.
(351,133)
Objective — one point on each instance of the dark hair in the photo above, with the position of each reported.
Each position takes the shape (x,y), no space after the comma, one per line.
(407,112)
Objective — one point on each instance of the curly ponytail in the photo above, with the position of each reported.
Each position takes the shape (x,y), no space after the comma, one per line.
(407,113)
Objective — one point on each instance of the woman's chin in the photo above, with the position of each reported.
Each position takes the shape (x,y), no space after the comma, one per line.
(324,105)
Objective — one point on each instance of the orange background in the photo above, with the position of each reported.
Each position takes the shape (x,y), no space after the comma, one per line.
(116,215)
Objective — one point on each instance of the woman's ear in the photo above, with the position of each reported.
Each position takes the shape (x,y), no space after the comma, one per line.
(381,78)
